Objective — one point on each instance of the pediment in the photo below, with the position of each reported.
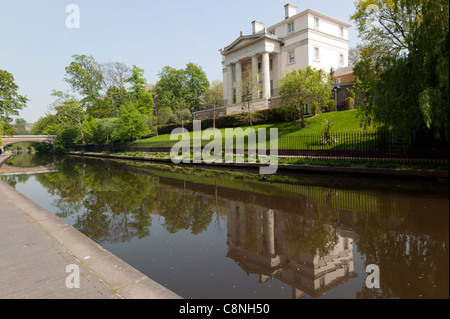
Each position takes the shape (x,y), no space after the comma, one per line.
(242,41)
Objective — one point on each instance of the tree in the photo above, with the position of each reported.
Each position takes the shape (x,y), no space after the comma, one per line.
(195,85)
(10,101)
(304,87)
(114,77)
(131,123)
(84,75)
(213,97)
(402,78)
(248,88)
(179,89)
(169,88)
(143,100)
(386,26)
(20,127)
(137,82)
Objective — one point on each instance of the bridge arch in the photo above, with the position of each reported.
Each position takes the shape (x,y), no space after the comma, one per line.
(9,140)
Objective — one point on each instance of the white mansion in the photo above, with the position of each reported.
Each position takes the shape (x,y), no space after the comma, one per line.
(308,38)
(303,39)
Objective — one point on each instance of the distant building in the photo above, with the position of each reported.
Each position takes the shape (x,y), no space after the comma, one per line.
(149,87)
(342,83)
(29,127)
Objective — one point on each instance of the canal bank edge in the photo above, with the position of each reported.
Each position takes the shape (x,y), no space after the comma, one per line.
(296,168)
(4,157)
(121,278)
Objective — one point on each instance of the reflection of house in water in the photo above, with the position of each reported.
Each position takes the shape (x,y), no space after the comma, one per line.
(257,242)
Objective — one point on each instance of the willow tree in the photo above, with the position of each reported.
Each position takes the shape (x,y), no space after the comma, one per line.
(403,73)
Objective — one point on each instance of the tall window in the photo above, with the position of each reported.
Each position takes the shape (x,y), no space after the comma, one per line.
(341,31)
(291,27)
(316,22)
(341,60)
(291,57)
(316,54)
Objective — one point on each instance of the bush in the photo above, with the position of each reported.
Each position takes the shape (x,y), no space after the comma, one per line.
(314,108)
(329,106)
(287,113)
(350,103)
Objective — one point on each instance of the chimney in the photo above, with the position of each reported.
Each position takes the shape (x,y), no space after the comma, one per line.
(257,26)
(290,10)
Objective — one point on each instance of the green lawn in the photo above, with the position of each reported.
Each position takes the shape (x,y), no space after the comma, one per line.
(344,121)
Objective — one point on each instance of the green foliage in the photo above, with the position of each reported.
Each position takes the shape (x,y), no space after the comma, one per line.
(65,139)
(85,77)
(180,89)
(314,108)
(350,103)
(304,87)
(402,78)
(11,102)
(328,139)
(20,127)
(329,105)
(131,123)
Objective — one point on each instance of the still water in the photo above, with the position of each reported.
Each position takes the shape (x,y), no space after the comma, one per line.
(207,233)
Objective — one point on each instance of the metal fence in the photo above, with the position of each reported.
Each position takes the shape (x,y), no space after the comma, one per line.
(353,146)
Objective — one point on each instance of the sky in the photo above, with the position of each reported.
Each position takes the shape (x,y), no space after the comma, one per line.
(36,45)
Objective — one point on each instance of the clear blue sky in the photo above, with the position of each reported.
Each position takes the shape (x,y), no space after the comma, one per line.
(36,45)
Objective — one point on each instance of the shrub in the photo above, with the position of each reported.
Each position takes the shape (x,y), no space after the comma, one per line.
(314,108)
(329,106)
(350,103)
(328,139)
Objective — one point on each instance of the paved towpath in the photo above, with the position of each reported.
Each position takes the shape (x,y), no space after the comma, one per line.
(36,247)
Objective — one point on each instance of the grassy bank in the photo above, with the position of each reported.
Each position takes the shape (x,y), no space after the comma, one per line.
(344,121)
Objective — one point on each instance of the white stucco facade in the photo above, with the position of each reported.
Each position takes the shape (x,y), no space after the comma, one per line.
(308,38)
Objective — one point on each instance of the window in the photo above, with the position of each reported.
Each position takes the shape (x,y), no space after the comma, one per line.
(341,60)
(272,32)
(341,31)
(316,54)
(271,87)
(234,96)
(291,27)
(271,64)
(316,22)
(291,57)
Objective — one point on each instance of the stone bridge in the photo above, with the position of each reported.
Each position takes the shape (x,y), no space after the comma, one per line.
(8,140)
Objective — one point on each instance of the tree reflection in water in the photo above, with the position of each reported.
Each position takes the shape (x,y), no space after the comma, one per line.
(303,233)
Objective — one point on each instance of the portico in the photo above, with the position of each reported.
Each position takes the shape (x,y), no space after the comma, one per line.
(253,55)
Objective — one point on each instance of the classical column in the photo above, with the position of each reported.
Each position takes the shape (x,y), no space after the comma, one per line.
(270,232)
(266,75)
(239,81)
(229,84)
(255,75)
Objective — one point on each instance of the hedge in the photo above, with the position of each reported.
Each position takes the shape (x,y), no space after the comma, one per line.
(268,116)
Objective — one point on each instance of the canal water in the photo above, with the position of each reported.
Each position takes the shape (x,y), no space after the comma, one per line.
(207,233)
